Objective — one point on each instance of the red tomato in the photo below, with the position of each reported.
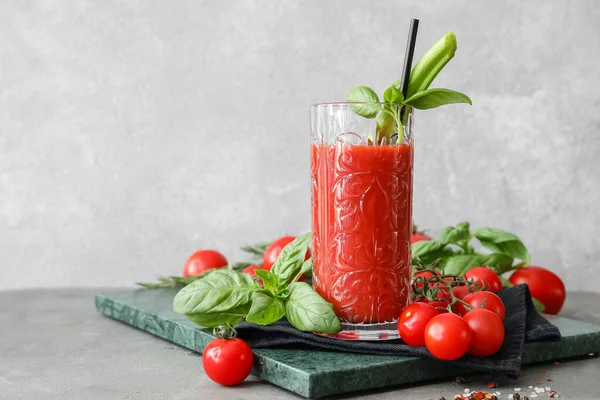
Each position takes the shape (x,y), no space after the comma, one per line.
(227,362)
(412,323)
(476,299)
(442,298)
(419,237)
(483,275)
(274,249)
(447,336)
(203,260)
(487,332)
(461,291)
(250,270)
(425,275)
(440,305)
(544,285)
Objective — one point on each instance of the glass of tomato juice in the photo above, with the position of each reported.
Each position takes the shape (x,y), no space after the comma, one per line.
(361,217)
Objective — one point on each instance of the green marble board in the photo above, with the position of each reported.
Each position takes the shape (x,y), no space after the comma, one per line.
(314,374)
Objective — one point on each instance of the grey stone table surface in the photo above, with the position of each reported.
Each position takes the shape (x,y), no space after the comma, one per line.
(54,345)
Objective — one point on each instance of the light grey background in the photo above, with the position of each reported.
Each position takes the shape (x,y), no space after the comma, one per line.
(134,132)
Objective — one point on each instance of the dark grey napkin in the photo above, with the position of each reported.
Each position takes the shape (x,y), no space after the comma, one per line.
(522,324)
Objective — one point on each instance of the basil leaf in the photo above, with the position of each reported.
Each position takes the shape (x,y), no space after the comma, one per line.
(539,306)
(500,262)
(265,309)
(502,242)
(443,254)
(386,124)
(307,268)
(458,265)
(454,234)
(425,247)
(307,311)
(269,280)
(221,291)
(393,95)
(290,260)
(210,320)
(364,94)
(433,98)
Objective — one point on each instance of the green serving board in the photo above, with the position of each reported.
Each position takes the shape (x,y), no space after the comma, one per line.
(314,374)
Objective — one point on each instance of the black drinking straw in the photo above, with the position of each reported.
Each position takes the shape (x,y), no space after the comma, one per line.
(408,56)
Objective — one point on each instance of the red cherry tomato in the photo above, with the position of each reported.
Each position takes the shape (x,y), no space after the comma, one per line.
(476,299)
(425,275)
(203,260)
(447,336)
(487,332)
(227,362)
(483,275)
(274,249)
(544,286)
(419,237)
(412,323)
(459,292)
(440,305)
(250,270)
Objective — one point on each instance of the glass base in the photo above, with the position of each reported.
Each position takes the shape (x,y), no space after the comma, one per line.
(367,332)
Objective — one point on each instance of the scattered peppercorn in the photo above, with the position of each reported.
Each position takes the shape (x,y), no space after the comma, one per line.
(460,380)
(516,396)
(553,394)
(525,398)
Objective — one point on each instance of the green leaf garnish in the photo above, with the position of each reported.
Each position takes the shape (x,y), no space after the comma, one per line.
(433,98)
(364,94)
(430,65)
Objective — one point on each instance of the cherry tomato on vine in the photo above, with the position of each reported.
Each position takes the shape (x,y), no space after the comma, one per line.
(447,336)
(203,260)
(461,291)
(227,362)
(487,332)
(274,249)
(412,323)
(425,275)
(483,275)
(544,286)
(250,270)
(476,299)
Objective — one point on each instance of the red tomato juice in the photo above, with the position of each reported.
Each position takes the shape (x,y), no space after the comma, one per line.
(361,218)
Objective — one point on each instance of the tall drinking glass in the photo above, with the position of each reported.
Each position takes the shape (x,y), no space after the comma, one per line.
(361,217)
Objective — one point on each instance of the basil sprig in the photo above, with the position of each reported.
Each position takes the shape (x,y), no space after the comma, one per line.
(393,112)
(229,296)
(454,255)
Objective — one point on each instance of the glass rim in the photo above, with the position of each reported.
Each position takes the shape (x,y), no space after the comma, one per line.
(347,103)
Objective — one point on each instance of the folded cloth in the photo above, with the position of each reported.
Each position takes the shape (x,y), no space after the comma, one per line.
(521,324)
